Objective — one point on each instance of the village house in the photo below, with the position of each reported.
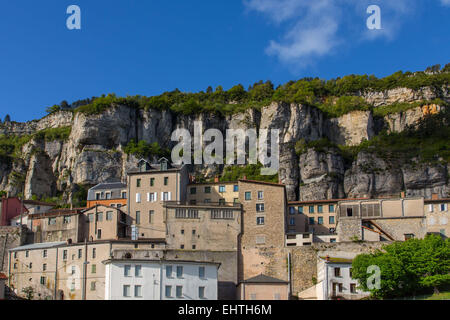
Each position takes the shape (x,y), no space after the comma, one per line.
(109,194)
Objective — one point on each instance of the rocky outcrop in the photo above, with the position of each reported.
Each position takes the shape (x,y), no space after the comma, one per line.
(400,95)
(425,180)
(351,129)
(398,122)
(321,175)
(371,176)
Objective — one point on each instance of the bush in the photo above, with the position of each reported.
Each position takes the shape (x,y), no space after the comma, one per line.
(144,149)
(251,171)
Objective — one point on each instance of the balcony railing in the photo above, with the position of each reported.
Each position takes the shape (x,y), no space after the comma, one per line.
(185,204)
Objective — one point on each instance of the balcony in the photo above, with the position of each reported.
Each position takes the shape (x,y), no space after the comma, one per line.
(202,205)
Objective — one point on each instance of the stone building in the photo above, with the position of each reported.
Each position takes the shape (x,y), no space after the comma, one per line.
(216,192)
(263,287)
(381,219)
(148,188)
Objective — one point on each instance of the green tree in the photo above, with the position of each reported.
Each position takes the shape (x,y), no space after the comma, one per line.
(407,267)
(7,118)
(53,109)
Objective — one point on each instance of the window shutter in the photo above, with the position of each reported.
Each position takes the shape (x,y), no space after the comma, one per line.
(155,197)
(162,196)
(445,207)
(170,196)
(430,208)
(148,197)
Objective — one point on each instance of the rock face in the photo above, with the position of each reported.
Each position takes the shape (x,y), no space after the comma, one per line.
(351,129)
(94,151)
(321,175)
(400,95)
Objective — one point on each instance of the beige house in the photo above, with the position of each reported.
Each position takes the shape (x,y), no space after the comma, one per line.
(381,219)
(438,216)
(203,226)
(149,187)
(78,225)
(217,192)
(64,271)
(263,287)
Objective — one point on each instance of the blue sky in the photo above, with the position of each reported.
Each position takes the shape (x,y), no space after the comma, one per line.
(148,47)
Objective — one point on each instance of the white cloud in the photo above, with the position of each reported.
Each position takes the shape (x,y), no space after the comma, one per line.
(315,28)
(445,2)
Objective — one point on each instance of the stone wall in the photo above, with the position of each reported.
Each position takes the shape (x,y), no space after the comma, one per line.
(398,228)
(9,238)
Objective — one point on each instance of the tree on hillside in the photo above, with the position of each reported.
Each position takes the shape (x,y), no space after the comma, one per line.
(406,268)
(7,118)
(209,90)
(53,109)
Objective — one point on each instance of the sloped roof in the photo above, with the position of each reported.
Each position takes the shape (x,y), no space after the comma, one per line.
(35,246)
(264,279)
(110,185)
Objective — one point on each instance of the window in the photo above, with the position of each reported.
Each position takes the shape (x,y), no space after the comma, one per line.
(126,291)
(124,195)
(152,182)
(292,222)
(138,291)
(94,253)
(151,215)
(337,272)
(51,221)
(138,217)
(44,254)
(350,273)
(311,221)
(92,285)
(166,181)
(260,195)
(42,280)
(207,189)
(168,291)
(73,270)
(31,265)
(331,220)
(179,292)
(320,220)
(108,196)
(138,197)
(353,288)
(260,207)
(221,202)
(201,272)
(193,190)
(443,207)
(182,247)
(332,240)
(80,253)
(168,271)
(236,200)
(15,255)
(201,292)
(409,236)
(66,220)
(109,215)
(194,247)
(248,196)
(291,210)
(97,196)
(331,208)
(236,188)
(15,265)
(138,183)
(222,189)
(90,217)
(72,285)
(320,209)
(99,234)
(193,232)
(138,271)
(300,210)
(182,231)
(64,254)
(341,287)
(179,272)
(166,196)
(311,209)
(260,221)
(349,212)
(44,267)
(127,271)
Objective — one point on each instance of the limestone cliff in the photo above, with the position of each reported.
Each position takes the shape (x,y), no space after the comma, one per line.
(94,151)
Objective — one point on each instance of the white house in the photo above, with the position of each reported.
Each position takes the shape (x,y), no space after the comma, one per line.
(160,280)
(334,280)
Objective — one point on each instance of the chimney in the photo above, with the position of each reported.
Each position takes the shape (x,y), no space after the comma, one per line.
(434,196)
(216,179)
